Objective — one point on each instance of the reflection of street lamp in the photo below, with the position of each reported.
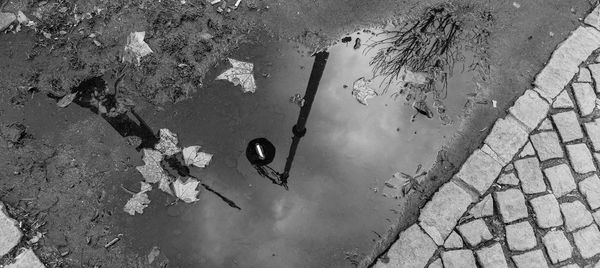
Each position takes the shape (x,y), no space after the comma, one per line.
(260,152)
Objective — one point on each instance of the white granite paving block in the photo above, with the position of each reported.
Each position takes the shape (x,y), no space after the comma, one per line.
(436,264)
(585,97)
(479,171)
(546,125)
(10,235)
(441,213)
(595,69)
(587,241)
(565,60)
(547,145)
(453,241)
(527,150)
(520,236)
(484,208)
(511,204)
(576,215)
(413,249)
(584,75)
(491,257)
(563,101)
(26,259)
(593,132)
(547,211)
(475,232)
(561,179)
(530,109)
(508,179)
(590,188)
(459,259)
(530,175)
(596,216)
(581,158)
(532,259)
(593,19)
(558,247)
(568,126)
(507,137)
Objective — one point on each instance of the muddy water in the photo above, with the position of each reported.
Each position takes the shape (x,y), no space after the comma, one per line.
(334,206)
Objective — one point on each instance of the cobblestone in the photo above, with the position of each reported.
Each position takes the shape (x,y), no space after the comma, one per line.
(475,232)
(453,241)
(532,259)
(587,241)
(565,61)
(26,259)
(590,188)
(568,126)
(520,236)
(576,215)
(436,264)
(479,171)
(530,175)
(597,217)
(584,75)
(585,97)
(10,235)
(527,150)
(491,257)
(581,158)
(547,145)
(547,211)
(413,249)
(546,125)
(508,179)
(507,137)
(530,109)
(595,69)
(484,208)
(458,259)
(563,101)
(440,215)
(593,19)
(561,179)
(558,247)
(511,204)
(593,132)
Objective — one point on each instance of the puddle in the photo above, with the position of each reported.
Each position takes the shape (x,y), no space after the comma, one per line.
(334,204)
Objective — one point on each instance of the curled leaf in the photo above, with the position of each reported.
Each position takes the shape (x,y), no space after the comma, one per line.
(136,48)
(193,156)
(361,90)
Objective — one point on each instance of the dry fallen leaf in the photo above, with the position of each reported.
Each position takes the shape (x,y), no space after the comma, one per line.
(164,185)
(151,170)
(136,48)
(138,202)
(241,73)
(66,100)
(186,191)
(193,156)
(361,90)
(167,144)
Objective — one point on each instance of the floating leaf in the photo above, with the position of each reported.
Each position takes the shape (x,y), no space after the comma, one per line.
(136,48)
(186,191)
(151,170)
(361,90)
(66,100)
(167,144)
(138,202)
(241,73)
(152,156)
(193,156)
(164,185)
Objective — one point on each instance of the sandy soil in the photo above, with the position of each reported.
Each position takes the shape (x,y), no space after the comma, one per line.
(59,178)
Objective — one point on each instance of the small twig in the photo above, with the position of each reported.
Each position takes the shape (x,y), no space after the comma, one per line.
(127,190)
(112,242)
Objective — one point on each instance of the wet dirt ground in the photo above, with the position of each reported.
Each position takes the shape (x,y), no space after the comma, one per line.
(68,168)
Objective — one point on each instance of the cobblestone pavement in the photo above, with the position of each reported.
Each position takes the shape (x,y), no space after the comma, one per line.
(10,237)
(530,196)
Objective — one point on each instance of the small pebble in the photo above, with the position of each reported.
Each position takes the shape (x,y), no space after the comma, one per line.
(517,5)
